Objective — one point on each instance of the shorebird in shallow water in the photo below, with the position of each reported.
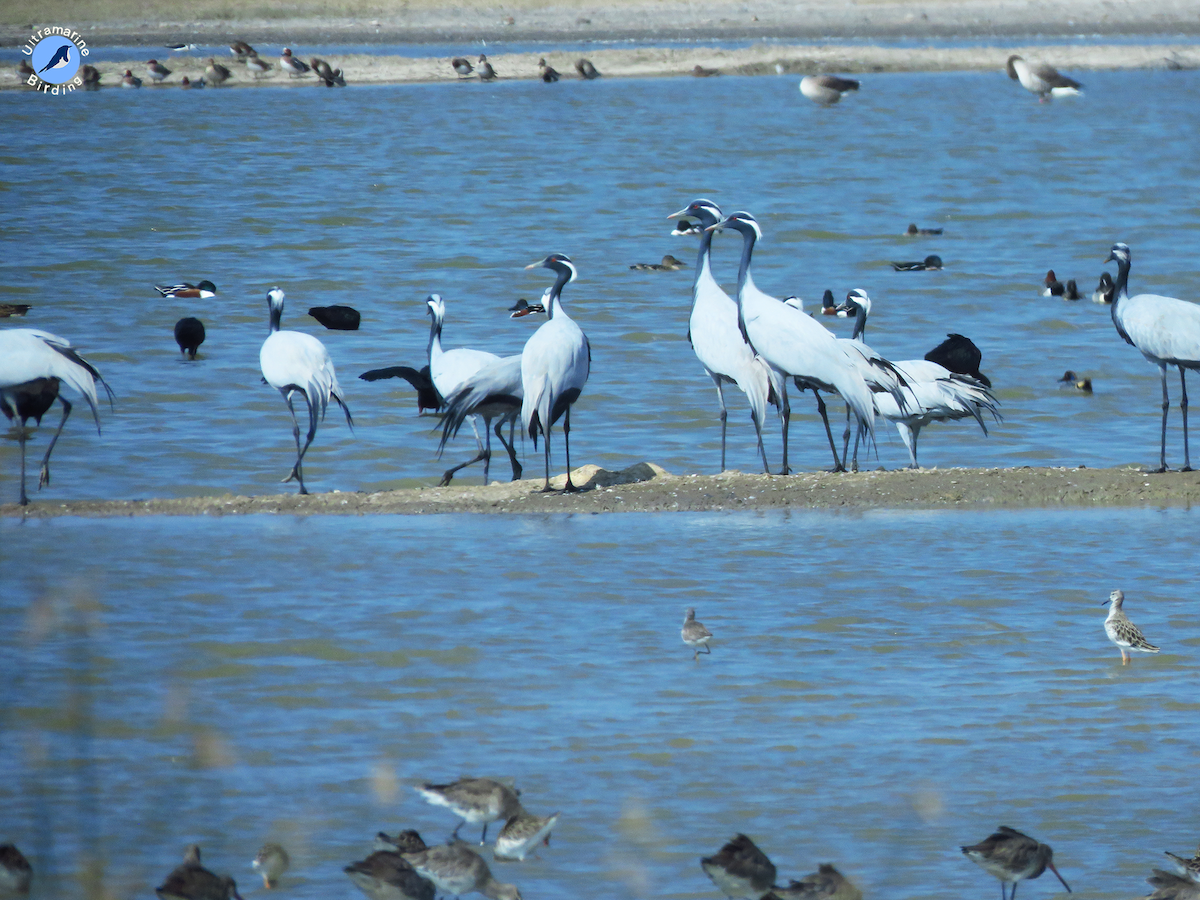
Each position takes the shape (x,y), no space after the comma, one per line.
(15,871)
(1012,857)
(477,801)
(1188,867)
(740,869)
(827,883)
(386,875)
(1121,631)
(522,833)
(270,862)
(695,635)
(457,869)
(1169,886)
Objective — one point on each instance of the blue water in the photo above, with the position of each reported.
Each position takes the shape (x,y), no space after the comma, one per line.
(883,687)
(375,197)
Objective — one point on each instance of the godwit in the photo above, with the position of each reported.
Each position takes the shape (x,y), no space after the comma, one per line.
(740,869)
(477,801)
(694,634)
(1012,857)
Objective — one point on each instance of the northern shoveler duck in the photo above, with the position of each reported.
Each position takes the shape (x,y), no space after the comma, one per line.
(216,74)
(1071,291)
(191,881)
(1104,290)
(338,78)
(270,862)
(15,872)
(913,229)
(829,306)
(1054,287)
(189,335)
(929,263)
(586,70)
(1042,79)
(204,289)
(549,74)
(294,67)
(337,318)
(668,264)
(740,869)
(461,66)
(13,309)
(486,72)
(699,71)
(179,46)
(420,379)
(90,76)
(686,227)
(256,66)
(322,70)
(524,308)
(156,71)
(241,50)
(522,833)
(1012,857)
(826,89)
(959,355)
(129,80)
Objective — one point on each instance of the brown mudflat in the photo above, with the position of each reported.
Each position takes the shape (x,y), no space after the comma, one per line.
(648,488)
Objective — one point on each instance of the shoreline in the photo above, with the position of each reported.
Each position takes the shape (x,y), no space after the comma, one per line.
(646,487)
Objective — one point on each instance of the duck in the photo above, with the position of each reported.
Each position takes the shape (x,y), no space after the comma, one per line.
(549,75)
(323,72)
(929,263)
(829,306)
(187,84)
(216,74)
(524,308)
(826,89)
(338,78)
(913,229)
(685,228)
(257,66)
(13,309)
(486,71)
(156,71)
(337,318)
(241,49)
(191,881)
(1071,291)
(1042,79)
(699,71)
(1054,287)
(290,64)
(1080,384)
(91,78)
(668,264)
(1104,290)
(129,80)
(462,66)
(586,70)
(959,355)
(204,289)
(189,335)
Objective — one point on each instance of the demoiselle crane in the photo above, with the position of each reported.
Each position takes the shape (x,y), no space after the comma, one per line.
(292,362)
(554,366)
(931,393)
(33,366)
(793,343)
(1167,332)
(715,337)
(493,392)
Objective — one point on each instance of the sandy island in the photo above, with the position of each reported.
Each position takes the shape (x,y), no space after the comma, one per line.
(796,32)
(648,488)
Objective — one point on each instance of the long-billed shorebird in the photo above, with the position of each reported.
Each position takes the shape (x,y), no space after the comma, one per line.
(740,869)
(1012,857)
(1188,867)
(694,634)
(1121,631)
(477,801)
(1169,886)
(522,833)
(458,870)
(387,875)
(827,883)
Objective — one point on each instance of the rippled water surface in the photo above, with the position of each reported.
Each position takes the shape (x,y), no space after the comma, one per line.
(882,688)
(375,197)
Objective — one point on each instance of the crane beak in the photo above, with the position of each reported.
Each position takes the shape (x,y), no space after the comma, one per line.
(676,215)
(716,226)
(536,265)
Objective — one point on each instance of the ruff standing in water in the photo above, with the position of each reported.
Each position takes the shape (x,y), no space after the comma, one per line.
(456,869)
(476,801)
(695,635)
(271,862)
(1188,867)
(740,869)
(1121,631)
(1012,856)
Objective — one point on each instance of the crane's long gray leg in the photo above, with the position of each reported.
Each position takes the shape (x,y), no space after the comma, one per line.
(44,475)
(857,437)
(785,416)
(1187,460)
(21,438)
(297,470)
(570,488)
(724,414)
(449,473)
(762,450)
(517,469)
(846,436)
(546,453)
(838,464)
(1162,459)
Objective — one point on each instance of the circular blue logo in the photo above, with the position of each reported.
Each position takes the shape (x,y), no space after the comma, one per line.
(55,59)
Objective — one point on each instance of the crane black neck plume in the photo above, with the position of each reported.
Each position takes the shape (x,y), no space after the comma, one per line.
(749,236)
(1120,291)
(707,219)
(860,320)
(276,312)
(563,275)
